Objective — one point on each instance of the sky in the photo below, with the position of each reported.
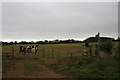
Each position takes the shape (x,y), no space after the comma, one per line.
(35,21)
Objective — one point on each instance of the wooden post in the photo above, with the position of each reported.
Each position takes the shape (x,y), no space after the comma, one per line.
(13,52)
(98,37)
(58,56)
(48,52)
(98,42)
(90,51)
(97,45)
(45,52)
(67,55)
(52,54)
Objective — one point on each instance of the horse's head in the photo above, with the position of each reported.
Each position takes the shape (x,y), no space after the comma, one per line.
(32,46)
(37,45)
(21,47)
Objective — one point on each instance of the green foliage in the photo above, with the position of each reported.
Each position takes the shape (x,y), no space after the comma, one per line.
(106,47)
(102,39)
(100,68)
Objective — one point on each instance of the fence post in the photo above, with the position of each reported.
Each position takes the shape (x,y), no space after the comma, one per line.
(90,51)
(66,55)
(13,52)
(58,56)
(52,54)
(45,52)
(48,52)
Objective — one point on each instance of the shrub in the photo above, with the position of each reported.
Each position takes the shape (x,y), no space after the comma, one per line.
(106,47)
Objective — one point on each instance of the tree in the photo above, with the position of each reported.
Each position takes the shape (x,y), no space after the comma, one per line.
(15,42)
(32,42)
(56,41)
(11,42)
(46,41)
(23,42)
(39,42)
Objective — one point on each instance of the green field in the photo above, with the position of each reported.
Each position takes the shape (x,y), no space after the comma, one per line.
(66,59)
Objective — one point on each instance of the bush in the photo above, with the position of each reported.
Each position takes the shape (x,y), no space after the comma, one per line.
(106,47)
(86,44)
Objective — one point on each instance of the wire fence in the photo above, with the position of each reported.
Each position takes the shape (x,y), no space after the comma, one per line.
(59,54)
(52,54)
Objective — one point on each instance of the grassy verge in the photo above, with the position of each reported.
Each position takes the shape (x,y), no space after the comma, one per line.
(96,68)
(7,64)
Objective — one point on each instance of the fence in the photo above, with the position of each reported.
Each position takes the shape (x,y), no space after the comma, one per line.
(64,54)
(8,54)
(57,53)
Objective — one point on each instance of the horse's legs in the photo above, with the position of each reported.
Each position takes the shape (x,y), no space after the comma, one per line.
(18,53)
(35,51)
(24,53)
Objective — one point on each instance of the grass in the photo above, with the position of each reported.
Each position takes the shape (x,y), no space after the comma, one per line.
(30,65)
(7,64)
(103,67)
(96,69)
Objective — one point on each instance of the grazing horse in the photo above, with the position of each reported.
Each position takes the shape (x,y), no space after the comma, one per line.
(28,49)
(34,49)
(22,50)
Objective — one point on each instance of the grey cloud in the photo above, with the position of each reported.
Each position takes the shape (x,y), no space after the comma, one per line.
(58,20)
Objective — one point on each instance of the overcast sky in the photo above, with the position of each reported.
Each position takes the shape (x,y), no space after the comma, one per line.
(58,20)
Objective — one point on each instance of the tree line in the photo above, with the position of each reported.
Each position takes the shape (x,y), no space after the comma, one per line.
(90,39)
(42,42)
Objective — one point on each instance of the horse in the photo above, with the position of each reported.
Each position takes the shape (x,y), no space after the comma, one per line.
(28,49)
(34,49)
(22,50)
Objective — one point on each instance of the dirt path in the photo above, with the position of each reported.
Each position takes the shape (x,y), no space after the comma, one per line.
(19,71)
(48,73)
(15,72)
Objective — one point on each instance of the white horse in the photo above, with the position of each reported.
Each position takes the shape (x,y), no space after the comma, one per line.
(28,49)
(34,49)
